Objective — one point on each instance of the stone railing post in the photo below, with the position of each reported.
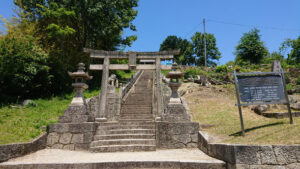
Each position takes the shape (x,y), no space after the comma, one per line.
(104,83)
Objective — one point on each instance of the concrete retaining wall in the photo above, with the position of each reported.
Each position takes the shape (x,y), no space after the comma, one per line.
(252,156)
(9,151)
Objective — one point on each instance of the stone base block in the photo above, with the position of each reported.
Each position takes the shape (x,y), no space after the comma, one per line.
(176,113)
(76,114)
(176,135)
(71,136)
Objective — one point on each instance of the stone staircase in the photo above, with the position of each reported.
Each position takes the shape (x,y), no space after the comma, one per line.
(135,130)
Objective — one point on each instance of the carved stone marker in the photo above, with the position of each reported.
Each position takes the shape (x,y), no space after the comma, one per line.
(276,66)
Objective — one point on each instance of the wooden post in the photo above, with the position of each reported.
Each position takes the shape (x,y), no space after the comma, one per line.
(287,98)
(104,83)
(239,103)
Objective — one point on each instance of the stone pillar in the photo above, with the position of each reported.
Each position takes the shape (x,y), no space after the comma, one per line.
(104,83)
(158,87)
(276,66)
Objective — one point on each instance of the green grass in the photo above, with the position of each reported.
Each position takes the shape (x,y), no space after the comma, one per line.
(23,124)
(210,106)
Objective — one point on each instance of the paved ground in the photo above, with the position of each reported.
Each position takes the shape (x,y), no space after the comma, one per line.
(64,156)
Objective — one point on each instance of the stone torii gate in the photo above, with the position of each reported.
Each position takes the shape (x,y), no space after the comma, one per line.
(132,65)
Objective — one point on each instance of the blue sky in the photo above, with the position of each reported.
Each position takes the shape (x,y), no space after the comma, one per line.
(159,18)
(277,20)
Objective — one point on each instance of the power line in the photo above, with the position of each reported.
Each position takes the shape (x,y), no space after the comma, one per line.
(251,26)
(188,33)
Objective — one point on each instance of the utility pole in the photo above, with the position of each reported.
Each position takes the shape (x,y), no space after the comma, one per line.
(205,62)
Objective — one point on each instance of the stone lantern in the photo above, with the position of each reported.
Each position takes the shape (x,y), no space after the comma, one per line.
(176,110)
(174,83)
(77,111)
(79,85)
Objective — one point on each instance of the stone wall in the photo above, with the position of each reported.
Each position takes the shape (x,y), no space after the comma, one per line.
(279,115)
(252,156)
(176,135)
(71,136)
(9,151)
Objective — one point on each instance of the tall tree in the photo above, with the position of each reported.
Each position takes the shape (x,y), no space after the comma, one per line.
(250,48)
(64,28)
(98,24)
(173,42)
(294,46)
(212,52)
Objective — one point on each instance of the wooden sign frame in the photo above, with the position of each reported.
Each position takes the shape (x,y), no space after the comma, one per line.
(285,100)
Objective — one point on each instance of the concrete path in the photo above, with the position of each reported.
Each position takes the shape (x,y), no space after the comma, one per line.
(65,156)
(57,157)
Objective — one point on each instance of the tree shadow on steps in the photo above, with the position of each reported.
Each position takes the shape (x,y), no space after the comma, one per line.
(255,128)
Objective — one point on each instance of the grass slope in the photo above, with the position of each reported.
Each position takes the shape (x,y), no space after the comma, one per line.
(216,106)
(23,124)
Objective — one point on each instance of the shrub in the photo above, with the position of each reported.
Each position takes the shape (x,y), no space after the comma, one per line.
(222,68)
(298,80)
(23,68)
(193,71)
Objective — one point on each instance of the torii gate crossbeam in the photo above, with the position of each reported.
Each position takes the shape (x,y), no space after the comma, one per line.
(132,57)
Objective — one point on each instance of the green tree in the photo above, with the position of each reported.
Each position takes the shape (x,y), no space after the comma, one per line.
(273,56)
(64,28)
(250,48)
(294,46)
(212,52)
(173,42)
(23,68)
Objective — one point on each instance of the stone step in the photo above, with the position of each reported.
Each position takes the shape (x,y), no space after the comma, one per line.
(136,106)
(124,136)
(136,113)
(126,131)
(133,100)
(120,148)
(114,127)
(136,122)
(122,142)
(138,110)
(137,116)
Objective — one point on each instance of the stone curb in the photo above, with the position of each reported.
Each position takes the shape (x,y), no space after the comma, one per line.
(247,156)
(124,165)
(9,151)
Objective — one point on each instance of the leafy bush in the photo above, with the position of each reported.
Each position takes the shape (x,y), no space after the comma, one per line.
(222,68)
(23,68)
(193,71)
(298,80)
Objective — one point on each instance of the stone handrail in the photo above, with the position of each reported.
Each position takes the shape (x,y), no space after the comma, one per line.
(131,82)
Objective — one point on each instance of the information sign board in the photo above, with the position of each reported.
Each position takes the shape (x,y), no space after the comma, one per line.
(260,88)
(263,88)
